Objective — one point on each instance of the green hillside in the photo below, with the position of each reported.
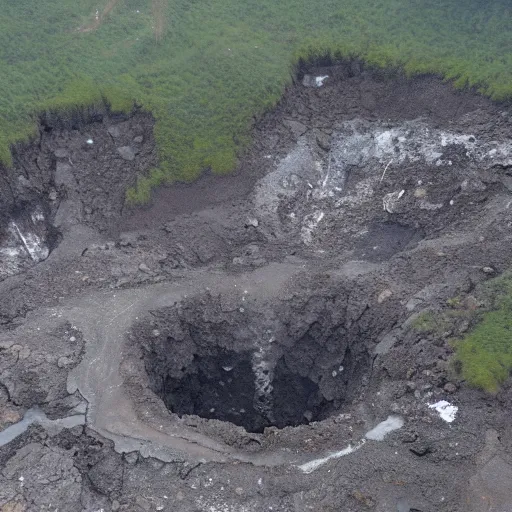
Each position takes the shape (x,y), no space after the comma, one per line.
(205,68)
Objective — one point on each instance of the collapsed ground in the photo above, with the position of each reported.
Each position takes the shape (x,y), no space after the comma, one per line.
(290,294)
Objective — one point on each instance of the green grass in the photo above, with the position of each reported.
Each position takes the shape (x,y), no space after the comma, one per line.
(485,354)
(218,63)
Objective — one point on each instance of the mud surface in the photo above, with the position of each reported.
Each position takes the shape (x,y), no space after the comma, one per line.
(249,342)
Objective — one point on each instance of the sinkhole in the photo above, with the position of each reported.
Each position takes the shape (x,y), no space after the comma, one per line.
(255,369)
(230,387)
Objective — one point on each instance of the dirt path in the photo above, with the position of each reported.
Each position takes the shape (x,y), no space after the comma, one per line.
(99,18)
(158,11)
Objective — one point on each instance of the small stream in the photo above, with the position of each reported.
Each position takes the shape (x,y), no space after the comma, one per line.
(36,416)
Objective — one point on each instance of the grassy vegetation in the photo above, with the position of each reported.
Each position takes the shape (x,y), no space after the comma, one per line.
(205,68)
(485,354)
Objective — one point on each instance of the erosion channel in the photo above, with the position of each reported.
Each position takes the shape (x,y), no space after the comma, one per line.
(258,341)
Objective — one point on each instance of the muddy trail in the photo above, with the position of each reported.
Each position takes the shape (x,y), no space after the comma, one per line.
(249,342)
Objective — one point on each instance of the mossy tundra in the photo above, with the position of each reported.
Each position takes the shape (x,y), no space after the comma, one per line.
(205,69)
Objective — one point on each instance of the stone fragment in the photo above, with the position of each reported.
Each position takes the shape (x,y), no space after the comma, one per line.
(64,362)
(488,270)
(425,205)
(24,182)
(127,240)
(295,127)
(384,295)
(13,506)
(126,153)
(420,193)
(143,503)
(323,140)
(107,475)
(472,185)
(411,385)
(114,131)
(421,449)
(64,175)
(24,353)
(131,457)
(449,387)
(144,268)
(308,81)
(390,201)
(409,437)
(139,139)
(8,416)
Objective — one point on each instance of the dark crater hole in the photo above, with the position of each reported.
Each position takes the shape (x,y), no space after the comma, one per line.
(384,239)
(225,386)
(307,363)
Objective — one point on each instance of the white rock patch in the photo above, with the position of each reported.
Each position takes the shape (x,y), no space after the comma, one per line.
(319,80)
(379,432)
(446,410)
(311,221)
(24,245)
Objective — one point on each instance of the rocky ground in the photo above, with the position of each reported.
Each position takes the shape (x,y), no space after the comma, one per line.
(252,342)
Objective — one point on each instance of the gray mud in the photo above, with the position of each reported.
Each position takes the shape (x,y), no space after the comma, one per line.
(247,343)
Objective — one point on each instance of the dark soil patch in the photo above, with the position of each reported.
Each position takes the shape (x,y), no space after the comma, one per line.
(385,239)
(270,363)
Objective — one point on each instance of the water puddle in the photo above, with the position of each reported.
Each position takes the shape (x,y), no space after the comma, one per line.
(38,417)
